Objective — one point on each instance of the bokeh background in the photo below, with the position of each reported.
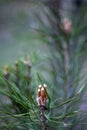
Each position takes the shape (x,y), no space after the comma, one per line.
(17,38)
(17,23)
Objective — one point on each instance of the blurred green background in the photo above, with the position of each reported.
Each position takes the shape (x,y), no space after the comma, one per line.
(17,37)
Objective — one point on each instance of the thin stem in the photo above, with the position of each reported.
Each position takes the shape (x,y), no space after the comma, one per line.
(43,118)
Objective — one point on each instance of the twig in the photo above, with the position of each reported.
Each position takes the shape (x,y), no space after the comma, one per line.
(43,118)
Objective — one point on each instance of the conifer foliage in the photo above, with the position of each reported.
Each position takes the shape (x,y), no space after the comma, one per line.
(26,102)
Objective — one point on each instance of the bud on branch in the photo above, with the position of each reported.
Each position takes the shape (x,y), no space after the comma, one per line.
(42,96)
(42,102)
